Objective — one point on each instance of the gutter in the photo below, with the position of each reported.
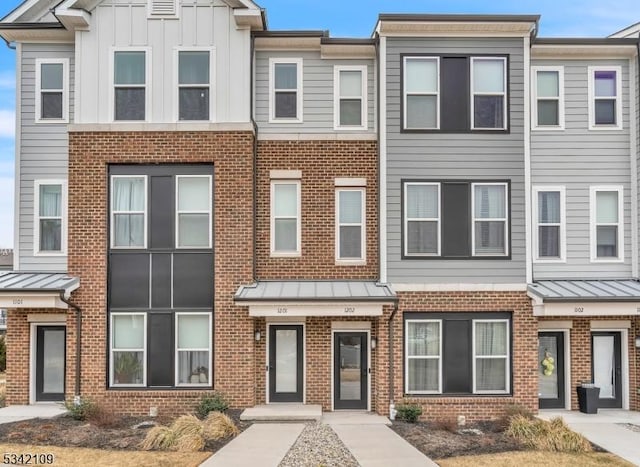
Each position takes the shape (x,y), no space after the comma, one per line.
(76,398)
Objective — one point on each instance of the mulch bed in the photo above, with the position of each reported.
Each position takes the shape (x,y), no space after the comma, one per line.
(438,443)
(121,433)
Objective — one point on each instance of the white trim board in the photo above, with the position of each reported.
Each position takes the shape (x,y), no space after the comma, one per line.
(458,287)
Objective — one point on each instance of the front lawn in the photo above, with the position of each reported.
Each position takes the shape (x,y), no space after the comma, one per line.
(536,459)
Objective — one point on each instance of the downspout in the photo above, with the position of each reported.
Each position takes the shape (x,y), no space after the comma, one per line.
(255,203)
(76,398)
(392,405)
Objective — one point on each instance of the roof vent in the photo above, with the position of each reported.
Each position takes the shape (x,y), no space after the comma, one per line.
(163,8)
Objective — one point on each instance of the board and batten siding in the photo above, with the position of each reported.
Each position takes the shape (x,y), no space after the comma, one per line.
(318,84)
(44,151)
(578,158)
(124,23)
(456,156)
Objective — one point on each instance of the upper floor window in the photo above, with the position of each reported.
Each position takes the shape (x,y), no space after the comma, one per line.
(194,85)
(421,93)
(130,85)
(52,91)
(607,227)
(128,211)
(49,222)
(350,97)
(490,226)
(285,218)
(488,92)
(285,97)
(350,224)
(549,232)
(422,219)
(548,98)
(605,98)
(193,216)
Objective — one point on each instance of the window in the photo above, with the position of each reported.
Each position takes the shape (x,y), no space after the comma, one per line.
(128,344)
(548,101)
(350,97)
(350,226)
(606,223)
(421,93)
(49,225)
(490,229)
(488,93)
(285,99)
(193,211)
(130,85)
(491,356)
(457,353)
(605,98)
(128,211)
(422,219)
(193,349)
(424,362)
(194,85)
(549,233)
(52,89)
(285,218)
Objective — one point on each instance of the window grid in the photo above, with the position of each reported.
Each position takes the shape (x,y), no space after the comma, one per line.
(113,350)
(38,217)
(360,224)
(339,97)
(594,191)
(63,91)
(298,90)
(502,94)
(561,225)
(195,211)
(408,94)
(408,357)
(476,220)
(408,219)
(505,357)
(191,349)
(559,98)
(296,217)
(115,212)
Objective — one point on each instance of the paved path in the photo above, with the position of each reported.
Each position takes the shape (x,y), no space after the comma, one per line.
(17,413)
(608,429)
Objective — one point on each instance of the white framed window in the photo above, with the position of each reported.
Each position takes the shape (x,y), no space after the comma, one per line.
(491,349)
(131,82)
(129,211)
(488,93)
(350,97)
(421,100)
(128,354)
(422,219)
(285,218)
(52,90)
(605,97)
(548,98)
(350,225)
(490,219)
(549,235)
(50,217)
(423,356)
(193,349)
(607,226)
(162,9)
(195,91)
(285,90)
(194,203)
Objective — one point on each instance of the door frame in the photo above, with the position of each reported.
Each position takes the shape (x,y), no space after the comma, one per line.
(624,360)
(367,331)
(566,373)
(33,337)
(304,358)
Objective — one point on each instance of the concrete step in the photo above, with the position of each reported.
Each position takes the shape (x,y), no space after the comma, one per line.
(282,412)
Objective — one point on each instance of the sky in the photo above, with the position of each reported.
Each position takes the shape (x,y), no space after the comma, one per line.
(344,18)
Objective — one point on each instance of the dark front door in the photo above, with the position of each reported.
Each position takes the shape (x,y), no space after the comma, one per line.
(50,363)
(551,381)
(285,363)
(606,367)
(350,369)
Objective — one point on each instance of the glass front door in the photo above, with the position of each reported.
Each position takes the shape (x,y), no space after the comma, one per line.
(285,363)
(607,368)
(50,363)
(350,370)
(551,381)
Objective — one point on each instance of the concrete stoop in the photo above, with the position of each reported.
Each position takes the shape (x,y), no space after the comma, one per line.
(283,412)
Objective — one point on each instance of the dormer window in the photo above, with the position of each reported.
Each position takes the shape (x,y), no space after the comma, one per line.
(162,8)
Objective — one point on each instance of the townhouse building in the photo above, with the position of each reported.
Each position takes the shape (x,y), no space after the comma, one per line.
(445,213)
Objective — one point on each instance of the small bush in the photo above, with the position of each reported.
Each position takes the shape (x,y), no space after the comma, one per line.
(160,438)
(81,411)
(3,355)
(449,424)
(213,402)
(547,436)
(189,433)
(102,417)
(219,426)
(511,411)
(409,412)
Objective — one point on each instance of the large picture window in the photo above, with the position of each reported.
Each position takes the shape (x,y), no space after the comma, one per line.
(50,217)
(128,211)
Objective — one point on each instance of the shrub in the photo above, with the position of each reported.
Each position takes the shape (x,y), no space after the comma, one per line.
(409,412)
(99,416)
(511,411)
(161,438)
(213,402)
(449,424)
(218,426)
(547,436)
(82,410)
(3,354)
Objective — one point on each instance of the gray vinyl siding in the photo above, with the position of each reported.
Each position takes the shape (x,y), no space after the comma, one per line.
(578,158)
(317,93)
(467,156)
(44,151)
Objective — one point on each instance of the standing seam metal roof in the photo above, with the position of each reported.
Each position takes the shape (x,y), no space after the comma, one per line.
(587,290)
(315,291)
(37,282)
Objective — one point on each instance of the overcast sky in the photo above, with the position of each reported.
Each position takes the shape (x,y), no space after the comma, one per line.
(343,18)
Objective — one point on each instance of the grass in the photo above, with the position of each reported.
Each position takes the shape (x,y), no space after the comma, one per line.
(536,459)
(81,457)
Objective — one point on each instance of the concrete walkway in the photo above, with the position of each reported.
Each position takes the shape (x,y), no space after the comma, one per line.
(17,413)
(609,429)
